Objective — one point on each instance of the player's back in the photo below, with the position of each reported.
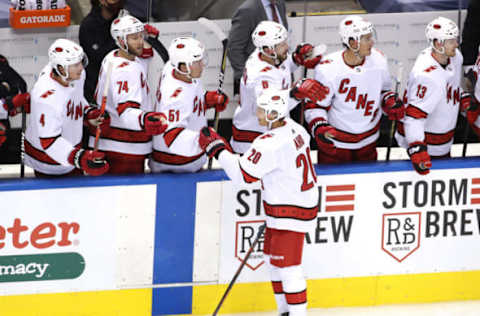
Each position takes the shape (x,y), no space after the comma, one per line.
(291,185)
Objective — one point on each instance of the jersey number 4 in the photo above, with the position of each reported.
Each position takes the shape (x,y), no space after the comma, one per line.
(304,160)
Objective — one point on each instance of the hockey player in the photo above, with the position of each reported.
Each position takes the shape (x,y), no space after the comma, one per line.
(54,130)
(128,140)
(13,96)
(470,103)
(182,98)
(433,97)
(280,159)
(346,124)
(269,65)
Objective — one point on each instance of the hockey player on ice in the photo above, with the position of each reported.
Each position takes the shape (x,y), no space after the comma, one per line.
(280,159)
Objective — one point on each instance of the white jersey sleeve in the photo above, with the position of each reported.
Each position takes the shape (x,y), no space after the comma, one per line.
(258,161)
(423,97)
(3,111)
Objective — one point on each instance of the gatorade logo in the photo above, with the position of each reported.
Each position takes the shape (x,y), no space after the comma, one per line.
(43,19)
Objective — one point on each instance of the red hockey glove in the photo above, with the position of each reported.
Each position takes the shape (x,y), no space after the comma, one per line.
(93,119)
(3,134)
(15,104)
(309,88)
(420,158)
(470,104)
(151,30)
(154,123)
(212,143)
(393,106)
(91,162)
(324,133)
(303,56)
(216,99)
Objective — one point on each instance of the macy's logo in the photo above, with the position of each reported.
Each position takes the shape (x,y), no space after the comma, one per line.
(42,236)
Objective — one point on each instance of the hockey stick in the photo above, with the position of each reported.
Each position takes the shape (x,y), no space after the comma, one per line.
(22,145)
(244,261)
(104,104)
(398,80)
(212,26)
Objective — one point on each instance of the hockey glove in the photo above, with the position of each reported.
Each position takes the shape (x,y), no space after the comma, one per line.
(324,133)
(470,105)
(154,123)
(309,88)
(15,104)
(151,30)
(3,134)
(393,106)
(93,119)
(303,56)
(420,158)
(91,162)
(216,99)
(212,143)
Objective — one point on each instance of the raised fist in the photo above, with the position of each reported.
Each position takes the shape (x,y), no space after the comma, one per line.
(393,106)
(212,143)
(154,123)
(15,104)
(151,30)
(304,55)
(91,162)
(420,158)
(309,88)
(216,99)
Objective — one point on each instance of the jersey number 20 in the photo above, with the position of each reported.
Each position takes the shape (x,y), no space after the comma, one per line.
(304,160)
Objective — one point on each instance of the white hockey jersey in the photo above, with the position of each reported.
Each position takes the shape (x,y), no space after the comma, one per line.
(3,110)
(433,101)
(476,68)
(183,104)
(55,123)
(128,98)
(257,75)
(353,105)
(280,159)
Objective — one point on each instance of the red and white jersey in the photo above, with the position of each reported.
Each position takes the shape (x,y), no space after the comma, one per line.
(433,101)
(183,104)
(280,159)
(3,110)
(128,97)
(55,123)
(257,75)
(353,105)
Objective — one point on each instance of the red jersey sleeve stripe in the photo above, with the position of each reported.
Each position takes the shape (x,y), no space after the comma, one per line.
(129,104)
(415,112)
(247,177)
(171,135)
(48,141)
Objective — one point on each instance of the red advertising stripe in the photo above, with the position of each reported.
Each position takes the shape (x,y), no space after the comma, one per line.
(476,191)
(476,181)
(339,208)
(346,187)
(475,201)
(336,198)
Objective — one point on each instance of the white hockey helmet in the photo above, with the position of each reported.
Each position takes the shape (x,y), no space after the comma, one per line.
(441,29)
(354,27)
(268,34)
(123,26)
(273,100)
(64,53)
(186,50)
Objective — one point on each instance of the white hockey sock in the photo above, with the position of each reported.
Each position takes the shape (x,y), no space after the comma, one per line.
(295,289)
(282,305)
